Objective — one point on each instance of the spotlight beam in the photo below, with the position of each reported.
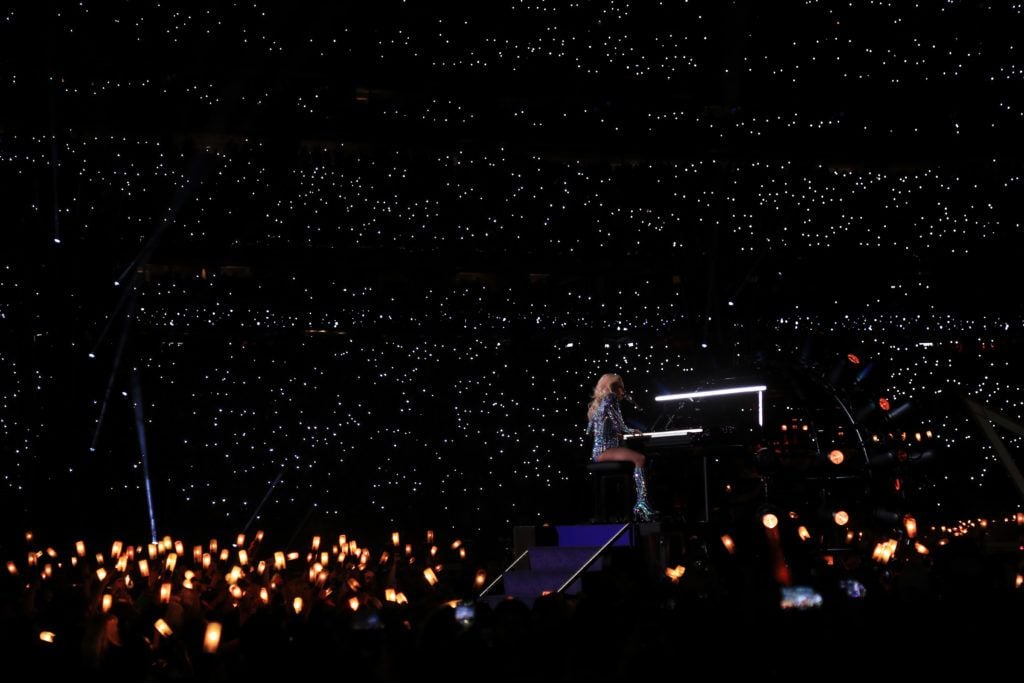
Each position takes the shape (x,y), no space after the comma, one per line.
(140,429)
(985,416)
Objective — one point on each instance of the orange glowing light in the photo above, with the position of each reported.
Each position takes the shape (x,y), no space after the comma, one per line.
(395,539)
(243,558)
(80,548)
(316,544)
(165,593)
(179,548)
(236,591)
(12,568)
(207,560)
(297,604)
(101,573)
(224,554)
(430,576)
(211,639)
(172,561)
(785,428)
(389,594)
(353,603)
(264,596)
(433,551)
(456,544)
(401,599)
(883,403)
(163,628)
(730,545)
(841,517)
(213,545)
(480,578)
(769,520)
(884,551)
(239,540)
(47,636)
(836,457)
(430,536)
(675,573)
(910,524)
(920,548)
(803,533)
(853,358)
(151,550)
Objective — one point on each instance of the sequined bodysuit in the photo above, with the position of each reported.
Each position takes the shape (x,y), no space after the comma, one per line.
(606,426)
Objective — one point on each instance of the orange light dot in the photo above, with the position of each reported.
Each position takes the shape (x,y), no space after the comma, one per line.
(211,639)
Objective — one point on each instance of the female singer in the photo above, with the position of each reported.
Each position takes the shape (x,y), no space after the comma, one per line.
(607,427)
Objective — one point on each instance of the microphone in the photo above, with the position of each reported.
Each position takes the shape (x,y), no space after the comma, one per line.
(628,398)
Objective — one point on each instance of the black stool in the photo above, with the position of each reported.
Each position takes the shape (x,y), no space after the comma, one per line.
(614,491)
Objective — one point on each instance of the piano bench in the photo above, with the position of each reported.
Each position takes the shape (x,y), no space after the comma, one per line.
(613,490)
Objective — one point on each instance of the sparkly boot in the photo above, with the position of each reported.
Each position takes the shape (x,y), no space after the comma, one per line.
(642,512)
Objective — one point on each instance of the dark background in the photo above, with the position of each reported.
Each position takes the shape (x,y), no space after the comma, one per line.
(351,246)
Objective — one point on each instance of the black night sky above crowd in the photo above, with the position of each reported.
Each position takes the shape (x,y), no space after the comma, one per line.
(360,264)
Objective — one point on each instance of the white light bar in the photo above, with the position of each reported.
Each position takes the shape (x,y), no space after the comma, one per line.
(712,392)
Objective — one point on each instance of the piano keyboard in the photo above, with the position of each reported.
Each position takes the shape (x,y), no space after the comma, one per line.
(668,437)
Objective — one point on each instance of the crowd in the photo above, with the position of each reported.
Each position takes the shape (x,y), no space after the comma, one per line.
(166,612)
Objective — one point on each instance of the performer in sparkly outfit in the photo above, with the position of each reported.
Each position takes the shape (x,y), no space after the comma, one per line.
(607,427)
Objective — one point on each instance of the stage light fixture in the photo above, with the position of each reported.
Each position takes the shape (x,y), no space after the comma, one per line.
(758,389)
(712,392)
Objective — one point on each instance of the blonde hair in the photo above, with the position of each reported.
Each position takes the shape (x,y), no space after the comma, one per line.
(604,386)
